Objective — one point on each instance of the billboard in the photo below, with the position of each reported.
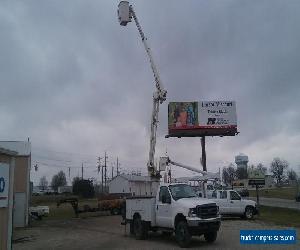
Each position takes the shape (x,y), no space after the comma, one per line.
(256,174)
(256,177)
(4,184)
(206,118)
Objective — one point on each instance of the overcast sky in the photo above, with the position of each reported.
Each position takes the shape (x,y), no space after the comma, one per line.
(77,83)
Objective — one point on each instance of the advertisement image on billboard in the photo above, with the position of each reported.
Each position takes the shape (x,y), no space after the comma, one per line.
(206,118)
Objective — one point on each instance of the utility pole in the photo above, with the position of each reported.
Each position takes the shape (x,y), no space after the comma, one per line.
(82,170)
(117,166)
(203,153)
(105,170)
(99,164)
(112,172)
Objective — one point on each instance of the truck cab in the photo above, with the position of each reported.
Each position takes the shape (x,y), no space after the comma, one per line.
(231,203)
(175,209)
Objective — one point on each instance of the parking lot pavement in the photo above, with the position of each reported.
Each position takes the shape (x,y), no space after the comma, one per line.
(106,233)
(276,202)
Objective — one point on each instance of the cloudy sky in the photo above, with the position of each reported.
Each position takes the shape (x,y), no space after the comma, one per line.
(78,84)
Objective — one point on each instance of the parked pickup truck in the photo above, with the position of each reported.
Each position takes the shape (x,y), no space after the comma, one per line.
(231,203)
(176,208)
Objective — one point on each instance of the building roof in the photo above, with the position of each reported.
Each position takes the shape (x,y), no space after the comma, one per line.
(7,152)
(22,148)
(130,177)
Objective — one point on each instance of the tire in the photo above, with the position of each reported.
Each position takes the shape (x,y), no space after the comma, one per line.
(182,234)
(115,211)
(139,229)
(249,213)
(211,236)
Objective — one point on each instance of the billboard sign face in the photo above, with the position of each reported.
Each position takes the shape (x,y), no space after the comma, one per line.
(207,118)
(256,177)
(256,174)
(4,184)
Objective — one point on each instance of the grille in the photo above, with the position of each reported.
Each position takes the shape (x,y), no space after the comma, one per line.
(207,211)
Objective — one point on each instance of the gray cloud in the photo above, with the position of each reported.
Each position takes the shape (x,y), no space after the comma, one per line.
(73,80)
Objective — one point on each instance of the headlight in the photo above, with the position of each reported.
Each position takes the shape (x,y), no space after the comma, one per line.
(192,212)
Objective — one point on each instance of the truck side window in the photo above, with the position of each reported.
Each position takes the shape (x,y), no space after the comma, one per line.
(223,194)
(214,194)
(234,196)
(163,191)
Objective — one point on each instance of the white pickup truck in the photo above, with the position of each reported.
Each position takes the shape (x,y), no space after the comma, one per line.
(231,203)
(176,208)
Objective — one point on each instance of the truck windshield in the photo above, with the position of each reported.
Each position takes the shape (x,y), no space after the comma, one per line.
(181,191)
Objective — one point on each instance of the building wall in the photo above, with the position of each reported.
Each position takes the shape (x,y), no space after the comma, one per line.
(119,185)
(6,212)
(3,214)
(21,170)
(21,174)
(21,187)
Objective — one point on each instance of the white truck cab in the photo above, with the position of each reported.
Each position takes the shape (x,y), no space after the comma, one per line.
(176,208)
(231,203)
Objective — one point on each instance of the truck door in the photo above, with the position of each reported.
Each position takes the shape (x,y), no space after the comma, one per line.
(223,202)
(235,203)
(163,208)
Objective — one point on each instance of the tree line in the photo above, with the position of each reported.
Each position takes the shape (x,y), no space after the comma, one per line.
(279,169)
(81,187)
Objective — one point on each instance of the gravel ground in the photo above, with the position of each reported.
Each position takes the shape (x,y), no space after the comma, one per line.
(106,233)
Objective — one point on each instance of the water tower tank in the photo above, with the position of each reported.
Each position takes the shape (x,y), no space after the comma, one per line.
(241,160)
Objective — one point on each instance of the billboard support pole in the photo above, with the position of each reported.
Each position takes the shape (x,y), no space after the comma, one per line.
(203,153)
(257,197)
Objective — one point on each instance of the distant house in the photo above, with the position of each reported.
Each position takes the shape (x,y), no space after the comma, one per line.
(64,189)
(133,185)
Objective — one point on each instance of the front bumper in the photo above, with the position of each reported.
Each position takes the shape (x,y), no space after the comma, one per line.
(198,226)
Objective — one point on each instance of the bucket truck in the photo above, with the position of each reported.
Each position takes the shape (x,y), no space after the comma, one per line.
(176,207)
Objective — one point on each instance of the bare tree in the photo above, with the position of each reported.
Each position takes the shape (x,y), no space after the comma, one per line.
(277,168)
(241,173)
(229,174)
(43,183)
(261,167)
(292,175)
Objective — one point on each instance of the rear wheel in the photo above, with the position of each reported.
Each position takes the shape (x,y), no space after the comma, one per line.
(139,228)
(211,236)
(182,234)
(115,211)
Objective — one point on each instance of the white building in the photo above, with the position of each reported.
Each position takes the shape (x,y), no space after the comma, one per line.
(133,185)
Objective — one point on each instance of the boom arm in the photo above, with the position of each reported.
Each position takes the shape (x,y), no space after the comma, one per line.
(159,97)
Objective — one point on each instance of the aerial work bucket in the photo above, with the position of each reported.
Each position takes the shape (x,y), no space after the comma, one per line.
(124,13)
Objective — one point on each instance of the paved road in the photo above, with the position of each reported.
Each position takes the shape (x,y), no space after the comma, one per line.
(106,233)
(275,202)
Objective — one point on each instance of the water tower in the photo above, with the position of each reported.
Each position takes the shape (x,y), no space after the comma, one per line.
(241,161)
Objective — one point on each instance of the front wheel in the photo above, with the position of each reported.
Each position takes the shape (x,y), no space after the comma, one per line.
(211,236)
(182,234)
(249,213)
